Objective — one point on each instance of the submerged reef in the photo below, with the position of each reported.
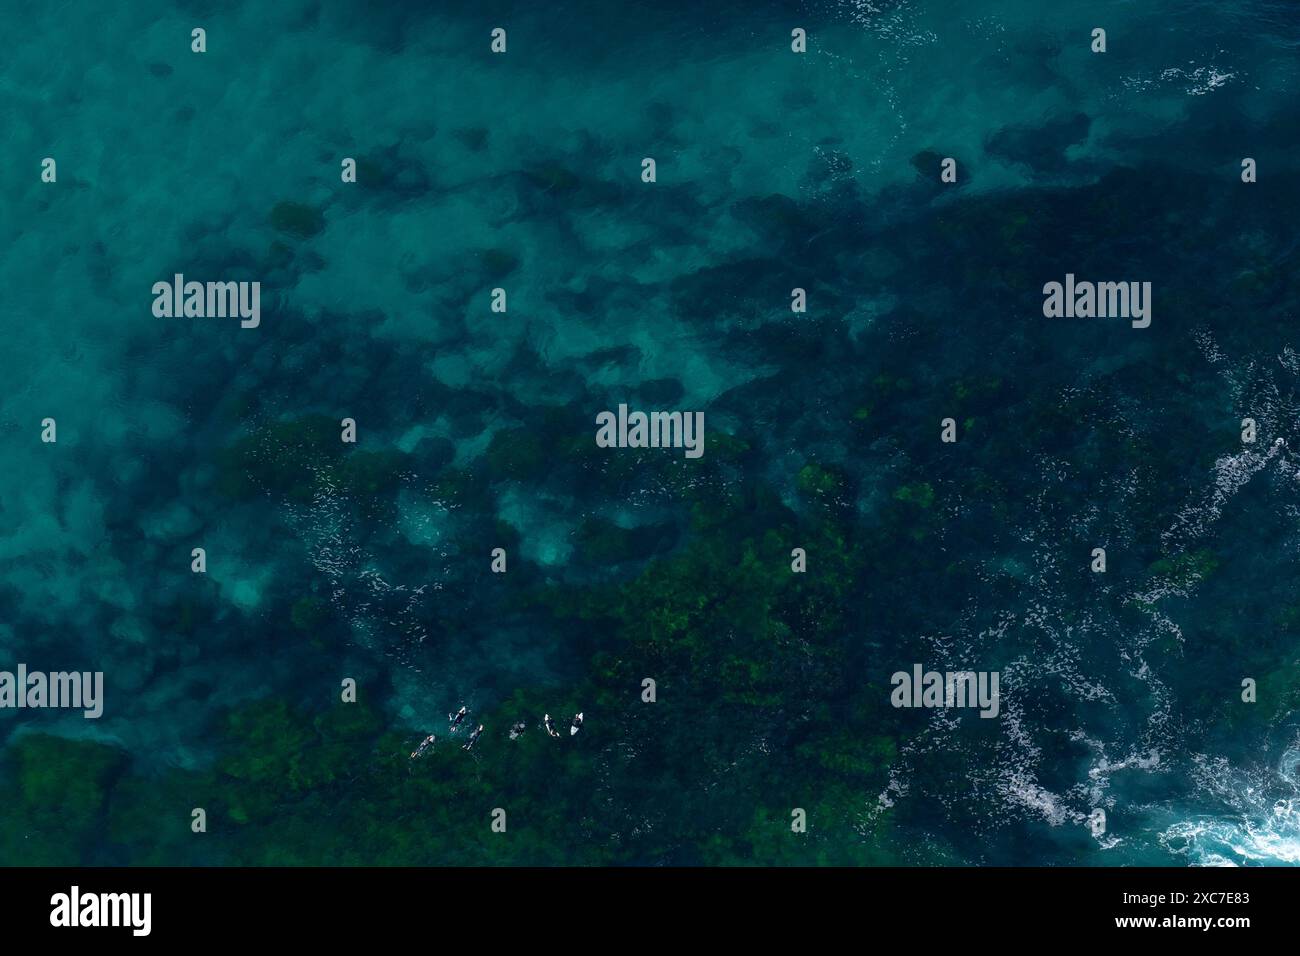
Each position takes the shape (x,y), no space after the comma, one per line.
(919,469)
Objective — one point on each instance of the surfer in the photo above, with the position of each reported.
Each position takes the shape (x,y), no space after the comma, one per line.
(517,730)
(576,725)
(474,736)
(457,717)
(549,725)
(424,745)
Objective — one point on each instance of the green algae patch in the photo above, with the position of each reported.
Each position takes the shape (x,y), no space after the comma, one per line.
(303,457)
(920,494)
(820,481)
(1186,568)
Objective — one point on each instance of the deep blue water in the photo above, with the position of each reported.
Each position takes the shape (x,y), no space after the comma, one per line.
(775,170)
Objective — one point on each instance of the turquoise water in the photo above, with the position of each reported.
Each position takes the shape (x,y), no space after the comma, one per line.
(774,170)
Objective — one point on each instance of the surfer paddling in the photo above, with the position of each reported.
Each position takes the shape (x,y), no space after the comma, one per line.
(426,744)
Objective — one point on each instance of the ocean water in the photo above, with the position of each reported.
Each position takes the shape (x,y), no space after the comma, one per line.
(1119,691)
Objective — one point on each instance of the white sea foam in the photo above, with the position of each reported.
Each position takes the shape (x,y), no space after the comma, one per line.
(1261,825)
